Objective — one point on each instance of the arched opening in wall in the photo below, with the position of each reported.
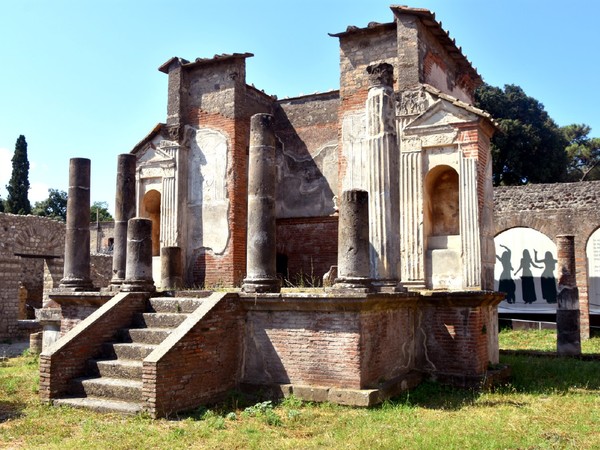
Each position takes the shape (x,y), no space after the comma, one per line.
(151,207)
(526,271)
(592,253)
(442,229)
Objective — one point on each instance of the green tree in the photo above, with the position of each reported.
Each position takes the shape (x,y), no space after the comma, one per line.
(54,206)
(1,205)
(17,201)
(528,147)
(99,212)
(583,153)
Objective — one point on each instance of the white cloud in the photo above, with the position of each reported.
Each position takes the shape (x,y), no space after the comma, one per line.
(37,192)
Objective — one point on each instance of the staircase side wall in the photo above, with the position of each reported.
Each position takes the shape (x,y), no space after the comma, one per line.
(199,362)
(66,359)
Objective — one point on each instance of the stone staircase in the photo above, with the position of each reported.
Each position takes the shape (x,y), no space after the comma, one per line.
(114,380)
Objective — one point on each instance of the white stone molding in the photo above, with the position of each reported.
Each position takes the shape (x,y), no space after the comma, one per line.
(354,150)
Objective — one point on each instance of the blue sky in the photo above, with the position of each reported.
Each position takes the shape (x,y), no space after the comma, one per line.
(79,78)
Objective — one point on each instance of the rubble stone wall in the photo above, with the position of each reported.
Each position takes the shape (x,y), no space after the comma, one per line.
(25,242)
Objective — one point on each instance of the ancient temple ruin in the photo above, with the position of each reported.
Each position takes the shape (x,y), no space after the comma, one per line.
(246,187)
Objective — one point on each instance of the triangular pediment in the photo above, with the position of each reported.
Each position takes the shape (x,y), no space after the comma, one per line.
(152,155)
(441,114)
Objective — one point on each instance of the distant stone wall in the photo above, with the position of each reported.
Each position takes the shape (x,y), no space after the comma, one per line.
(535,197)
(27,245)
(102,235)
(553,209)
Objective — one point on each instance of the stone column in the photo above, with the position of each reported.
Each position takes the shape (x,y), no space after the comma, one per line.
(77,237)
(354,266)
(568,340)
(138,272)
(171,268)
(383,182)
(124,210)
(261,270)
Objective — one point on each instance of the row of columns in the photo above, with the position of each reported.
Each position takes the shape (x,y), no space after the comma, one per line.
(132,257)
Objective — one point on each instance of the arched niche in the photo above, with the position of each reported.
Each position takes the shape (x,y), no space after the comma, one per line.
(442,196)
(526,271)
(592,253)
(151,210)
(442,228)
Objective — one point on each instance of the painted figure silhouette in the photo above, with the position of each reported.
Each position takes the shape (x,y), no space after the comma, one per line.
(527,286)
(506,283)
(548,280)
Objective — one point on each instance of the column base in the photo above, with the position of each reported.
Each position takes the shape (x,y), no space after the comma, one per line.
(76,284)
(354,284)
(261,285)
(388,286)
(138,286)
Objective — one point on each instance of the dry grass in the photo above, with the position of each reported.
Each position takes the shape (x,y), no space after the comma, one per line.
(551,403)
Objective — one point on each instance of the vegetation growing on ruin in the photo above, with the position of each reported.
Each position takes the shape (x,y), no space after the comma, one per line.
(550,403)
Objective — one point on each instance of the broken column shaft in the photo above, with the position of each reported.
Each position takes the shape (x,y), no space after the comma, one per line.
(261,269)
(124,210)
(353,242)
(383,185)
(77,237)
(171,268)
(568,339)
(138,272)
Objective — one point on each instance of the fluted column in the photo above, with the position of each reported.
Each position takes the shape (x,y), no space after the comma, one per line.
(469,223)
(411,225)
(261,266)
(384,230)
(124,210)
(77,237)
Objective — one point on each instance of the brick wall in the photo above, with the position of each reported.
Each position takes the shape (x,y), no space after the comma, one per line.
(67,359)
(307,132)
(310,247)
(202,363)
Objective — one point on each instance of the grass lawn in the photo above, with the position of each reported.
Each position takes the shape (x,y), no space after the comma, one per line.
(550,403)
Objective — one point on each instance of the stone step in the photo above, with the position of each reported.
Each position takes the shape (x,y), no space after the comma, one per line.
(174,305)
(152,336)
(101,405)
(108,388)
(158,320)
(116,368)
(128,350)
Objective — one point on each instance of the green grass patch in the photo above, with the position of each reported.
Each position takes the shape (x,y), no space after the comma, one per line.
(541,340)
(550,403)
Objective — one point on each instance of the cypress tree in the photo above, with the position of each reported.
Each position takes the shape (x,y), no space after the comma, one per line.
(17,201)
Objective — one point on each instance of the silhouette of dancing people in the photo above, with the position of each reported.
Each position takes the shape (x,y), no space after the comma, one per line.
(527,286)
(548,280)
(506,283)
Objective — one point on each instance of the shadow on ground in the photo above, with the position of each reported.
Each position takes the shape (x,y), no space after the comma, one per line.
(531,374)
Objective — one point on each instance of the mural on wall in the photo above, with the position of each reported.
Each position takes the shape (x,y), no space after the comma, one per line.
(592,252)
(526,271)
(207,189)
